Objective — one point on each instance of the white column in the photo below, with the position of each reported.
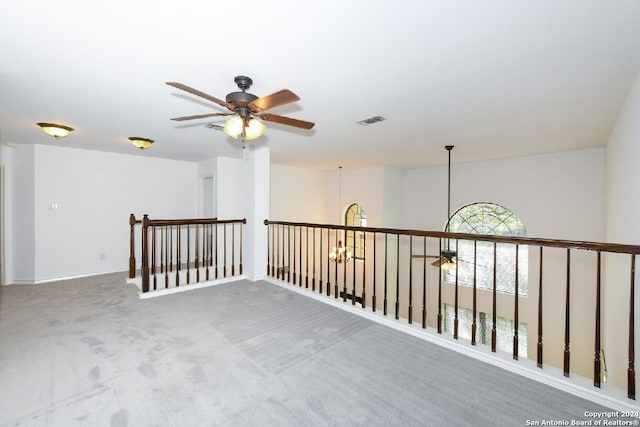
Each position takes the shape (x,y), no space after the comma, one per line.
(257,172)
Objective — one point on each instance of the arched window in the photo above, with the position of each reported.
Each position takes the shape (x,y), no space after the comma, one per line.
(355,217)
(492,219)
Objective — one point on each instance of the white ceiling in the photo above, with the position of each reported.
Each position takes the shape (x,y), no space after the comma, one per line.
(495,78)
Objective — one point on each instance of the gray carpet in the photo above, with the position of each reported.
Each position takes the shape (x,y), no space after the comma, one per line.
(89,352)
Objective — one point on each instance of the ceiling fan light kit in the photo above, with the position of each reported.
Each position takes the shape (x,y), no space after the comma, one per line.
(55,130)
(246,108)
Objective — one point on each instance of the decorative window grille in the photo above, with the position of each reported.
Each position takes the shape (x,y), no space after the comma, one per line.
(504,329)
(355,217)
(488,219)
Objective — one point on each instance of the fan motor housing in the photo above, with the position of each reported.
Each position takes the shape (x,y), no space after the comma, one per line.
(240,99)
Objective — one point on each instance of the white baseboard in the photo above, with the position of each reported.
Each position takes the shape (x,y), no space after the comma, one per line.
(183,287)
(57,279)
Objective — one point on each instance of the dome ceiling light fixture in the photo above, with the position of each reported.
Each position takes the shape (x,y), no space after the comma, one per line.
(141,143)
(55,130)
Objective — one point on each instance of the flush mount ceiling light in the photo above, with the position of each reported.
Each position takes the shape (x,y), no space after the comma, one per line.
(141,143)
(55,130)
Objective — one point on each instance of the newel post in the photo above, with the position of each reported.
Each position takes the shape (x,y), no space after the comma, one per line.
(132,256)
(145,253)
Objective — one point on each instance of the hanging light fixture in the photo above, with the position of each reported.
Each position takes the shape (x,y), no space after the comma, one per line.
(141,143)
(55,130)
(340,254)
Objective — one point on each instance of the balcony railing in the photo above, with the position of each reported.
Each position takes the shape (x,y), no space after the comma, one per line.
(178,252)
(395,276)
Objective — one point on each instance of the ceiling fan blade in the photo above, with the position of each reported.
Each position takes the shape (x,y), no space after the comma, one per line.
(201,94)
(425,256)
(439,262)
(281,97)
(200,116)
(287,121)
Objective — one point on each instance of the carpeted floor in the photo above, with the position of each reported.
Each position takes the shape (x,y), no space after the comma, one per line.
(90,352)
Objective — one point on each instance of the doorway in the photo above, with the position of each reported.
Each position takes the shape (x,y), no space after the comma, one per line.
(208,207)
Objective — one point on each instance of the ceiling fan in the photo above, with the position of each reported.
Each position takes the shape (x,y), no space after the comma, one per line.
(447,258)
(245,107)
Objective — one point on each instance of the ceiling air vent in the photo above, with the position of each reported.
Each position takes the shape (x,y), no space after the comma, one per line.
(214,126)
(371,120)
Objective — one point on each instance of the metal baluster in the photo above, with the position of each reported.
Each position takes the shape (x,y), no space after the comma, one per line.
(294,255)
(373,296)
(410,308)
(439,317)
(539,346)
(289,253)
(398,277)
(567,318)
(353,287)
(320,264)
(328,263)
(475,292)
(188,253)
(178,255)
(455,305)
(494,338)
(386,258)
(631,370)
(597,368)
(196,253)
(233,249)
(364,269)
(515,308)
(153,256)
(424,282)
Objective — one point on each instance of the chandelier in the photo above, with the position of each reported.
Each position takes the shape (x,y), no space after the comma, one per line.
(340,254)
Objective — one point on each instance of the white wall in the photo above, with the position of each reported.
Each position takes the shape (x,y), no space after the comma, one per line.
(230,185)
(622,226)
(392,197)
(207,169)
(23,243)
(6,216)
(557,195)
(81,201)
(301,195)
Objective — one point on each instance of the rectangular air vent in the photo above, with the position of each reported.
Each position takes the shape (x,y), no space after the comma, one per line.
(371,120)
(214,126)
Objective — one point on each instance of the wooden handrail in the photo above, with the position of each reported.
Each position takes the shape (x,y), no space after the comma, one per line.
(171,241)
(557,243)
(280,254)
